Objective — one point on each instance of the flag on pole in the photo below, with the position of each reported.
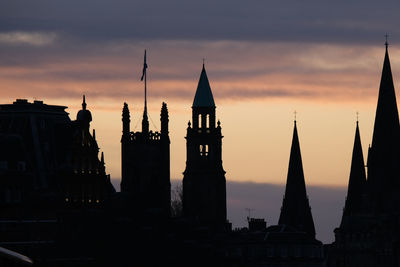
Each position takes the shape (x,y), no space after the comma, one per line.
(144,66)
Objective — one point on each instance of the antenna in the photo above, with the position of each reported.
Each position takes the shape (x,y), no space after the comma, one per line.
(249,213)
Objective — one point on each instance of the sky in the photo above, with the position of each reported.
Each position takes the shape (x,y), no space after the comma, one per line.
(264,59)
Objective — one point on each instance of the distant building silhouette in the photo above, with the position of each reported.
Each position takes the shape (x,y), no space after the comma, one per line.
(57,158)
(204,184)
(369,233)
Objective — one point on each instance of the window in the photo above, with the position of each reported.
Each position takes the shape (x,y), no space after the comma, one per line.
(204,150)
(208,120)
(199,120)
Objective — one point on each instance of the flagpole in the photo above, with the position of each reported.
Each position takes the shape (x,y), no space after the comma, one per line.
(145,84)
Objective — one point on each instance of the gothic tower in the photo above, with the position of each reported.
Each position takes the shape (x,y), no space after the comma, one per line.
(296,211)
(204,184)
(145,158)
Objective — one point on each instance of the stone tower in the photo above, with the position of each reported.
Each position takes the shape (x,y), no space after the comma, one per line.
(204,184)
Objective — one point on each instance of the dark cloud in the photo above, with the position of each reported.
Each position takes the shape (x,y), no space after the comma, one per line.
(306,21)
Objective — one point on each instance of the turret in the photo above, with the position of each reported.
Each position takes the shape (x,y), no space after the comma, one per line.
(84,116)
(125,121)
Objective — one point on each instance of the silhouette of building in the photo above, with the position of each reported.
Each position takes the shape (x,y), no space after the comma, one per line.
(296,211)
(146,165)
(51,180)
(85,181)
(369,231)
(59,156)
(204,184)
(290,243)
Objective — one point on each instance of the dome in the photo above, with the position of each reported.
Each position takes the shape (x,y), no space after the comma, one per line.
(84,114)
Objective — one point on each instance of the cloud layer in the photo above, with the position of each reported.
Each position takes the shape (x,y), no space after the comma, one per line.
(311,21)
(237,70)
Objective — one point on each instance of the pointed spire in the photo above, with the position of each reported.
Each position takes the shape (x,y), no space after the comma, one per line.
(84,103)
(94,134)
(164,119)
(386,127)
(357,180)
(296,211)
(125,121)
(204,96)
(384,153)
(102,158)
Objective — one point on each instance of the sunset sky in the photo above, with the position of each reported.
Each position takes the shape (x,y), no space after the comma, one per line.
(264,60)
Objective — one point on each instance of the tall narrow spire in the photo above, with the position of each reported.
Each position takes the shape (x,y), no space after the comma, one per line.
(357,180)
(384,154)
(203,96)
(386,126)
(296,211)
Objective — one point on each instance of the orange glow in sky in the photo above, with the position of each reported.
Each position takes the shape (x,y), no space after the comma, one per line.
(256,86)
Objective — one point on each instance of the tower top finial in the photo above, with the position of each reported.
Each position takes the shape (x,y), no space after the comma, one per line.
(203,62)
(386,40)
(295,116)
(84,103)
(357,114)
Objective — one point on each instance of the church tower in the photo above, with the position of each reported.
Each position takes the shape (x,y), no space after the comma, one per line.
(204,184)
(296,211)
(145,159)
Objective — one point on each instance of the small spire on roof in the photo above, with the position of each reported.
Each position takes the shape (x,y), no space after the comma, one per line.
(84,103)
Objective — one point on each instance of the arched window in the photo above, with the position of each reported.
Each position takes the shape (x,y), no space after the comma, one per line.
(199,121)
